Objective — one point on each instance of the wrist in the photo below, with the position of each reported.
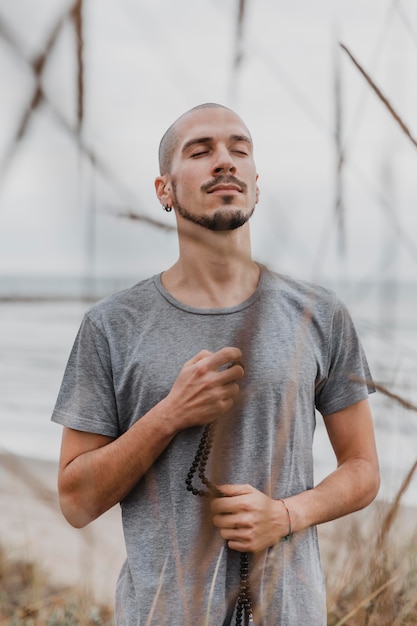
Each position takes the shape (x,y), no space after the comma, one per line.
(168,421)
(288,536)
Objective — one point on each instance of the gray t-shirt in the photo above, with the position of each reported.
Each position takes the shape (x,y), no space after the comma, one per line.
(300,353)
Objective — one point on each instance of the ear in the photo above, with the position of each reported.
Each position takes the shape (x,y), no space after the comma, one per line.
(257,190)
(163,189)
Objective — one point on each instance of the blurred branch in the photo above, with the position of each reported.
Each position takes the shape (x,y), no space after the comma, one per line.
(238,53)
(392,217)
(381,96)
(388,520)
(238,57)
(104,170)
(39,97)
(340,157)
(131,215)
(381,388)
(393,396)
(76,16)
(37,66)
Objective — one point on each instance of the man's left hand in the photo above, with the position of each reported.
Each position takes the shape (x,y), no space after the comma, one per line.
(249,520)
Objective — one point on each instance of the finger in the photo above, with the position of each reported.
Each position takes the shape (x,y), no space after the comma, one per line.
(226,521)
(227,505)
(224,356)
(234,499)
(203,354)
(239,546)
(231,374)
(236,539)
(230,390)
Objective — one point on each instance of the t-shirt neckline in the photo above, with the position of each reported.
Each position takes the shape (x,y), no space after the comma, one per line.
(203,311)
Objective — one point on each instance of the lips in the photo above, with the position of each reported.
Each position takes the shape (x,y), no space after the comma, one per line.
(224,184)
(225,188)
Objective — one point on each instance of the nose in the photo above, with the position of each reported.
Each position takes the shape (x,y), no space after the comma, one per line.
(223,161)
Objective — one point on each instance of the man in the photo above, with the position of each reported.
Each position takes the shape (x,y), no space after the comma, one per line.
(215,339)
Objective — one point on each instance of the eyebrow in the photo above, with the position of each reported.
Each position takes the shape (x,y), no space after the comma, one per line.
(206,140)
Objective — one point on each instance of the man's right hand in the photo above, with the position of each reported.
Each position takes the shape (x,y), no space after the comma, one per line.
(205,388)
(97,471)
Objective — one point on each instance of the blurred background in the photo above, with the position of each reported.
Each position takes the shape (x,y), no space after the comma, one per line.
(328,90)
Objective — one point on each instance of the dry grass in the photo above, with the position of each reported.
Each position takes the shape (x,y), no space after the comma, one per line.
(371,566)
(28,598)
(370,560)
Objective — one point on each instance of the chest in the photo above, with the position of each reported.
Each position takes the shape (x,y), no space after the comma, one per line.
(280,352)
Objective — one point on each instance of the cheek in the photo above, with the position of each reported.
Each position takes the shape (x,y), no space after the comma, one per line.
(184,186)
(174,190)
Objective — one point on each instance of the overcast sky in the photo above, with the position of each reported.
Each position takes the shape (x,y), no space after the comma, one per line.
(148,61)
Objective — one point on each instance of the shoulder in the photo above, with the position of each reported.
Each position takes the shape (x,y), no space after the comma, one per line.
(136,301)
(301,293)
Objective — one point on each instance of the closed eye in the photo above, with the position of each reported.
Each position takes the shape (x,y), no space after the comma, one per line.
(199,153)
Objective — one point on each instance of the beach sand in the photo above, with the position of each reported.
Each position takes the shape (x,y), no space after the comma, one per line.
(32,527)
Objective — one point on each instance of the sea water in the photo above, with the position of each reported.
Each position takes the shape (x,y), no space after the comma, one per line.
(36,337)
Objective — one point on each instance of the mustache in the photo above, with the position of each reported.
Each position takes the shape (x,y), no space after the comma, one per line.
(224,180)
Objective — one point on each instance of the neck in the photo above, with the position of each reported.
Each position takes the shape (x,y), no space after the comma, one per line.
(214,269)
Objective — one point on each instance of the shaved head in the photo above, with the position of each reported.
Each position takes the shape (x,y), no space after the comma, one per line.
(169,140)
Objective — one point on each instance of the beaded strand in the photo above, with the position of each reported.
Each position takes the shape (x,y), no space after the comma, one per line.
(244,600)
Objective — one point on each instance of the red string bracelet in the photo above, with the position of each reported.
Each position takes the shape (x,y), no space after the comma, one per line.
(287,537)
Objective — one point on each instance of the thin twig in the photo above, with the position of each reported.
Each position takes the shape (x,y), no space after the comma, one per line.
(366,600)
(77,18)
(405,403)
(395,506)
(382,389)
(381,96)
(157,593)
(212,586)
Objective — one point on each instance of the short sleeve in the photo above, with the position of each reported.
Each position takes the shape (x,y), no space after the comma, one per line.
(86,400)
(347,378)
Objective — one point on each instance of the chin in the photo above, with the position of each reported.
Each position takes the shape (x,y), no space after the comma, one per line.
(224,218)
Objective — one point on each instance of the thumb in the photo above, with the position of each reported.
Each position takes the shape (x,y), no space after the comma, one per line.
(234,490)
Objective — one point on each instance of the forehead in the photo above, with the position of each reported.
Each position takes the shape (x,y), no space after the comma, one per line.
(216,123)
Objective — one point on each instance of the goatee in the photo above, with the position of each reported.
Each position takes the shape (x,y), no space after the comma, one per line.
(220,220)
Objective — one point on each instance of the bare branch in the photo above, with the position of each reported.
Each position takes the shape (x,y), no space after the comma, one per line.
(77,18)
(388,520)
(381,388)
(381,96)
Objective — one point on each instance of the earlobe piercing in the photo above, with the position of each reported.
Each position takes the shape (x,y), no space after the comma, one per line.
(167,208)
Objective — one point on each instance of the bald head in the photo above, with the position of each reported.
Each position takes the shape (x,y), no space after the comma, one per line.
(170,138)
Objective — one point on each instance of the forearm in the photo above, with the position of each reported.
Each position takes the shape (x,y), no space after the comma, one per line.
(99,478)
(251,521)
(355,482)
(352,486)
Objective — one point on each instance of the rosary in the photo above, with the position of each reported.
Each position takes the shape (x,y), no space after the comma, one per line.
(244,601)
